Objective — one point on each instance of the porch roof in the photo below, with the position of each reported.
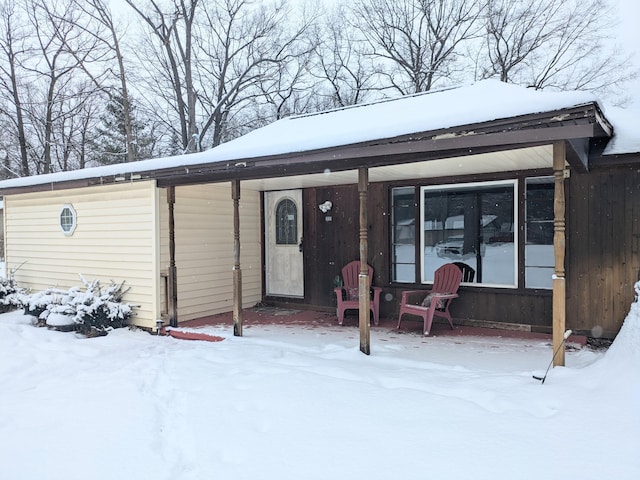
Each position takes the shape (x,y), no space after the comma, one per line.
(450,132)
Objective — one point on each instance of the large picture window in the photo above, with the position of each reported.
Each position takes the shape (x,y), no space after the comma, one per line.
(474,224)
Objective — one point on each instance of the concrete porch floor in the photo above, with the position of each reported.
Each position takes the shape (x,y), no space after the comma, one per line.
(314,319)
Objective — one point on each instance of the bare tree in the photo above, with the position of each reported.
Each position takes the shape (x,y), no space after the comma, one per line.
(556,44)
(515,29)
(103,29)
(61,48)
(250,42)
(174,30)
(13,45)
(420,40)
(85,128)
(342,61)
(287,91)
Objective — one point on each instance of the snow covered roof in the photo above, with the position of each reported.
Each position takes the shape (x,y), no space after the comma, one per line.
(626,127)
(484,101)
(481,102)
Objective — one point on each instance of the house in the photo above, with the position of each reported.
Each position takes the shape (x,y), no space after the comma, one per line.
(498,170)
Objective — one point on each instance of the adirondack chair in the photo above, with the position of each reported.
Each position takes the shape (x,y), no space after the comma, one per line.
(347,294)
(434,302)
(468,273)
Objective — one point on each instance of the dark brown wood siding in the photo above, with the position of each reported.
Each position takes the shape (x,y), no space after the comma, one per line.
(602,262)
(331,239)
(331,244)
(603,243)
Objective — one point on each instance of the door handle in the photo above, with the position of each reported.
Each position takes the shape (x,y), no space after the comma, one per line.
(301,245)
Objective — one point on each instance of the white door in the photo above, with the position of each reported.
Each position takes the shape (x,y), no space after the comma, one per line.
(283,223)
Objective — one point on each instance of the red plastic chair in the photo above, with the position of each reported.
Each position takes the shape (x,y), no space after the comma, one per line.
(347,295)
(434,302)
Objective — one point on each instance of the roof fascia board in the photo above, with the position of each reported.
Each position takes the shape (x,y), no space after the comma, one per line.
(578,154)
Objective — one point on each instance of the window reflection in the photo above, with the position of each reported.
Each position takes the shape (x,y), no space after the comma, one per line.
(403,217)
(473,224)
(538,253)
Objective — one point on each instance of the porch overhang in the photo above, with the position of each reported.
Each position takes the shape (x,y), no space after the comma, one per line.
(529,142)
(511,144)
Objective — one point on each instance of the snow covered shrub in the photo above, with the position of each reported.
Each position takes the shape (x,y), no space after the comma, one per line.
(40,304)
(99,309)
(94,310)
(10,295)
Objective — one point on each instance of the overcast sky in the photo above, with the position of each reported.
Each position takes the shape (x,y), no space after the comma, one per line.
(629,32)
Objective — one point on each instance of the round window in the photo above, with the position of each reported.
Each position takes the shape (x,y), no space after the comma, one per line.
(67,219)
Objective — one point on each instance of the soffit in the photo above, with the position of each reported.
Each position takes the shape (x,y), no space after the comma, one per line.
(531,158)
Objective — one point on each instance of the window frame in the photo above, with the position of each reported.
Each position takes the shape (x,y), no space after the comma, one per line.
(294,237)
(73,216)
(528,267)
(471,186)
(393,263)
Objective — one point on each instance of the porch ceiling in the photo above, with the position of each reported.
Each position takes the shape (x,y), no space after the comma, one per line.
(503,161)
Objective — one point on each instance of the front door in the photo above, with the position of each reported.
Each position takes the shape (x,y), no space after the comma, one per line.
(283,223)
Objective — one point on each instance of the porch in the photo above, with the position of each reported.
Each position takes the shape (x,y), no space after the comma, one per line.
(322,321)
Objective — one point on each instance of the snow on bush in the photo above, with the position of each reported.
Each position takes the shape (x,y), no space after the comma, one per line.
(94,309)
(10,295)
(39,304)
(59,320)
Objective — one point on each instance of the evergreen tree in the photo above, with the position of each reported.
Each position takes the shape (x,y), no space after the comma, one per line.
(110,143)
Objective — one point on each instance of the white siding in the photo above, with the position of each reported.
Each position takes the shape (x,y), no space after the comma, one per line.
(204,248)
(115,239)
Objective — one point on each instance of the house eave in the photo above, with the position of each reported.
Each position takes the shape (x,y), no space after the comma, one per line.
(351,157)
(577,125)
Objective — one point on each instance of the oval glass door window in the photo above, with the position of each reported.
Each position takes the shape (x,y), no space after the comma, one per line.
(286,222)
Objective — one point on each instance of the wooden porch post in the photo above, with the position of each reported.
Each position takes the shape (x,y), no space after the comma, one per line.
(363,277)
(237,273)
(172,287)
(559,287)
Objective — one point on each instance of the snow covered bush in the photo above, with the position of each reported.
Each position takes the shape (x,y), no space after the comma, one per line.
(94,310)
(10,295)
(100,308)
(38,304)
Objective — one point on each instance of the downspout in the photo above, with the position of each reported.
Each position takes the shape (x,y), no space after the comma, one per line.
(173,280)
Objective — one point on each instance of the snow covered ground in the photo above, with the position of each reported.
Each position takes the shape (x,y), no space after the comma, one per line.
(295,403)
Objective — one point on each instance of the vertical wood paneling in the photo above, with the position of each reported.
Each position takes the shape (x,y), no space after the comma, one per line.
(602,254)
(329,245)
(603,248)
